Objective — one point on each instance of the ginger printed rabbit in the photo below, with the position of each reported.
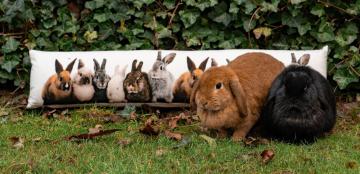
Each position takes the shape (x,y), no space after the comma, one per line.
(184,84)
(58,88)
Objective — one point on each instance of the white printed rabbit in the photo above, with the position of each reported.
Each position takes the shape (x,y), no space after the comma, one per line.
(115,91)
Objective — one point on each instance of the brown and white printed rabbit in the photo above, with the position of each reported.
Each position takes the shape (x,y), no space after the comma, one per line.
(136,84)
(231,96)
(161,80)
(100,81)
(58,88)
(184,84)
(115,89)
(82,85)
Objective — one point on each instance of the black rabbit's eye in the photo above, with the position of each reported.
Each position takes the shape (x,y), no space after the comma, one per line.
(161,68)
(60,78)
(218,85)
(80,74)
(194,78)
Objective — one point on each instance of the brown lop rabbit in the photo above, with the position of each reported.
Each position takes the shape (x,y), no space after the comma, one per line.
(231,96)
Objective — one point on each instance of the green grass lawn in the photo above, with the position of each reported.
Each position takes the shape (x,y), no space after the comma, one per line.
(45,151)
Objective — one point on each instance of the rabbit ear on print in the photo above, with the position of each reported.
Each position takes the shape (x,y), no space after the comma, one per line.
(303,60)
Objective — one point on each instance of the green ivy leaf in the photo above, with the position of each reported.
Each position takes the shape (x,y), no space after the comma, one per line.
(163,33)
(95,4)
(249,7)
(169,4)
(10,45)
(273,6)
(343,76)
(201,4)
(347,34)
(9,65)
(233,8)
(139,3)
(297,1)
(189,16)
(317,10)
(101,17)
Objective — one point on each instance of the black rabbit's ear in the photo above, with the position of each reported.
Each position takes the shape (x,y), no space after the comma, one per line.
(293,58)
(203,64)
(190,64)
(103,64)
(70,66)
(96,65)
(304,59)
(139,66)
(81,64)
(169,58)
(133,67)
(159,56)
(58,67)
(213,63)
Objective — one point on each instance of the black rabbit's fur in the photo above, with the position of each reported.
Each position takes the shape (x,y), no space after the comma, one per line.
(300,106)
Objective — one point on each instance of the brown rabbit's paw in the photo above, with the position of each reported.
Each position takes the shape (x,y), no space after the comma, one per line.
(238,135)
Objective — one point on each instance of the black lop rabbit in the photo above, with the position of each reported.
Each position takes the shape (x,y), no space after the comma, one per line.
(100,81)
(300,106)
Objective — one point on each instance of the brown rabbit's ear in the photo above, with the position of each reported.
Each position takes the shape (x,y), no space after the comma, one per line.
(103,64)
(304,59)
(238,91)
(193,95)
(190,64)
(71,65)
(203,64)
(58,67)
(293,58)
(169,58)
(133,66)
(81,64)
(139,66)
(96,65)
(213,63)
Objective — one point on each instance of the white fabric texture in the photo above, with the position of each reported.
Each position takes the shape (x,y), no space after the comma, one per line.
(43,62)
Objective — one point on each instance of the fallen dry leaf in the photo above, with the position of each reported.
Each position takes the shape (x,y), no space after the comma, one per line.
(124,142)
(37,139)
(149,129)
(90,136)
(173,135)
(251,141)
(17,142)
(173,122)
(133,115)
(351,165)
(267,155)
(48,114)
(112,119)
(209,140)
(160,152)
(96,129)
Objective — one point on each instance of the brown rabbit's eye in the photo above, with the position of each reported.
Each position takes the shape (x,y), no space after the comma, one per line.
(60,78)
(194,78)
(218,85)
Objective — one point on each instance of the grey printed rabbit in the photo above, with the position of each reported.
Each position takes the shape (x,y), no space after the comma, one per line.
(161,80)
(100,81)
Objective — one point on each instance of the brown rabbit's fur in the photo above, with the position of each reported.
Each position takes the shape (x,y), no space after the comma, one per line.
(244,86)
(53,91)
